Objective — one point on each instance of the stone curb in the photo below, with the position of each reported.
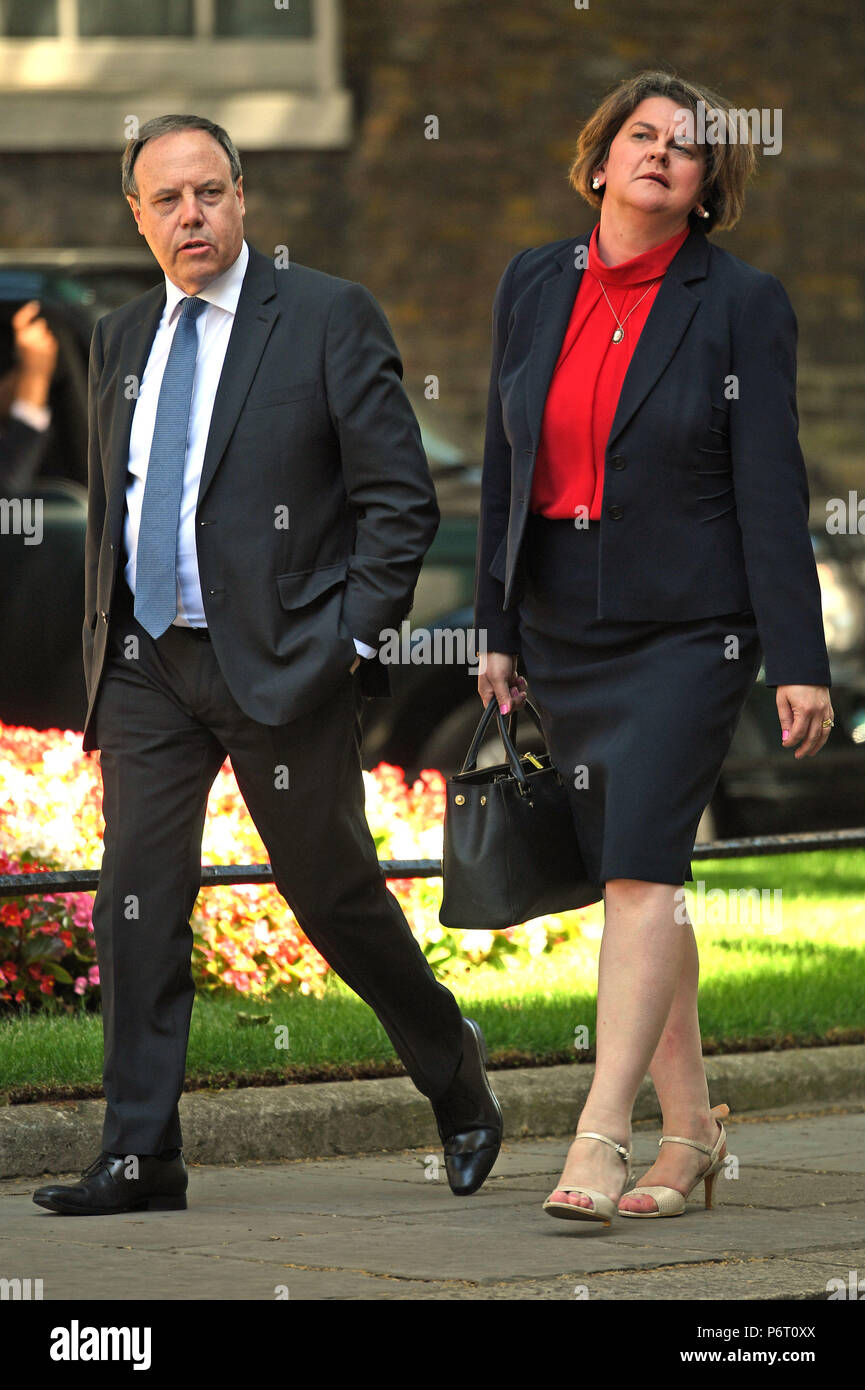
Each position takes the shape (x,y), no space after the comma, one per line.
(353,1117)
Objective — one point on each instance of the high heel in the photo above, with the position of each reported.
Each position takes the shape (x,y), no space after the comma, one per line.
(671,1202)
(603,1208)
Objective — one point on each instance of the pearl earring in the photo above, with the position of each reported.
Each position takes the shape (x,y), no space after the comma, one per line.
(596,183)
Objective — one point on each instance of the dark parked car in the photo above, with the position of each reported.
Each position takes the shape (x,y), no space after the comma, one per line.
(435,708)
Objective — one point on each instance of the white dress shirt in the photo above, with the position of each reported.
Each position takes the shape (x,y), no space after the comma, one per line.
(213,328)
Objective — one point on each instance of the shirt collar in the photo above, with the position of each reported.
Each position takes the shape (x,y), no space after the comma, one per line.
(649,265)
(224,291)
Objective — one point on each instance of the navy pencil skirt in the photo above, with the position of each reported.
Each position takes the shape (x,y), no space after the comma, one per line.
(638,716)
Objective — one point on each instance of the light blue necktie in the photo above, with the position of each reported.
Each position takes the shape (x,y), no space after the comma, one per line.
(156,561)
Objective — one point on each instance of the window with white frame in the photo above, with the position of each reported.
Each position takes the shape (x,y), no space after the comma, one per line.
(73,73)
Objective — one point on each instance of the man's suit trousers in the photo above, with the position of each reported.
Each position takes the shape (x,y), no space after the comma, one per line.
(165,722)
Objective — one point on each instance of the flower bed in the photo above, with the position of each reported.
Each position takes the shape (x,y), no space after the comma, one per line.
(245,937)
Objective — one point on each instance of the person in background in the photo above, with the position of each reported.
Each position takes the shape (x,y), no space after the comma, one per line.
(24,387)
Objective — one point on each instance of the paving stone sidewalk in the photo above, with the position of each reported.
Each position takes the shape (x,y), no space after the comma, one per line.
(788,1219)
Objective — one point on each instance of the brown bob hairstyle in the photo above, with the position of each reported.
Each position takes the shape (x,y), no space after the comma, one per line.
(729,163)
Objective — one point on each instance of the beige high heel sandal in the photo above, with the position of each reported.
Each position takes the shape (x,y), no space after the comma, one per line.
(603,1208)
(671,1202)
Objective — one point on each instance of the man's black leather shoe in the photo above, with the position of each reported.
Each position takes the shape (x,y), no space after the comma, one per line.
(469,1118)
(111,1185)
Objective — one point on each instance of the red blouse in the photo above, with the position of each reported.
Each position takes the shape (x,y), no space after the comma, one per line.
(586,384)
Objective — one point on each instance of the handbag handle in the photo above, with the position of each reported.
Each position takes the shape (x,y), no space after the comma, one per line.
(507,735)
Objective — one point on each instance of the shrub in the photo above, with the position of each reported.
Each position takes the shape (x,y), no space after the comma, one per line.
(245,937)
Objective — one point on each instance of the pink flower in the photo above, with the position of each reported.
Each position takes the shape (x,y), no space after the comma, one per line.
(80,984)
(81,910)
(93,975)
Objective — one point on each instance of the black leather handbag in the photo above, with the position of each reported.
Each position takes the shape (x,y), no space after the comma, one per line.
(510,847)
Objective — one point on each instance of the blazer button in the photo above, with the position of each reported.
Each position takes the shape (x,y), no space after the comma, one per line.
(617,462)
(616,512)
(104,617)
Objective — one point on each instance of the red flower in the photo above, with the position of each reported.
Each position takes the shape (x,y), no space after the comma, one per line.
(12,916)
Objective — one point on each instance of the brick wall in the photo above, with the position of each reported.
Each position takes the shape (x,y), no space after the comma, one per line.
(429,225)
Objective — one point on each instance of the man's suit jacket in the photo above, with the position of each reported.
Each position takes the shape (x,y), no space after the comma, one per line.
(705,500)
(310,422)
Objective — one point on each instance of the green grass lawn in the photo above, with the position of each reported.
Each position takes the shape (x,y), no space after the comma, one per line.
(767,980)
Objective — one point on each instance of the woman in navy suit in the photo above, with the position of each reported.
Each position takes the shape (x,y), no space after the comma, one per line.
(643,547)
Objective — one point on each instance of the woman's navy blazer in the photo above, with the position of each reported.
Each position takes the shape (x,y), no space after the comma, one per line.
(705,500)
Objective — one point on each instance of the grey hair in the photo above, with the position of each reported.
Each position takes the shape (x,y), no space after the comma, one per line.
(166,125)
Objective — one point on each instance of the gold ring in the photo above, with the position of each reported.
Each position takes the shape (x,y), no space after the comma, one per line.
(828,723)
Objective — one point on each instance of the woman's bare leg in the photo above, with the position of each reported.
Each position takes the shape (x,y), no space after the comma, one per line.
(679,1077)
(643,951)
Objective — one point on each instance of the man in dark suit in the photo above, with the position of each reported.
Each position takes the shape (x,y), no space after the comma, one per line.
(259,508)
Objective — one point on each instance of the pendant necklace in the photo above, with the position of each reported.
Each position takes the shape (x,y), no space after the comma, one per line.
(620,331)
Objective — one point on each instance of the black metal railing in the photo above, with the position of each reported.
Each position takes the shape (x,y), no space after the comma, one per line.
(87,880)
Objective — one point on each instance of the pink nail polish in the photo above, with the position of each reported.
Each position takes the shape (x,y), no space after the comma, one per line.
(505,709)
(785,735)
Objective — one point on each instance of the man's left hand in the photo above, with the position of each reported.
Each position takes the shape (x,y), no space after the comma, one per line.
(802,710)
(354,665)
